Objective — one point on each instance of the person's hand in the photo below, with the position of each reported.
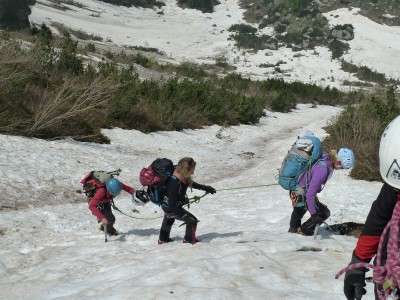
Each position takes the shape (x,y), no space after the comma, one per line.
(354,281)
(104,221)
(209,189)
(294,197)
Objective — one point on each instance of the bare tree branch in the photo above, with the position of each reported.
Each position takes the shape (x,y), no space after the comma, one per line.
(73,98)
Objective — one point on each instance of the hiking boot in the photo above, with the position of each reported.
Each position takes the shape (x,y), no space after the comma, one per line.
(190,242)
(110,230)
(160,242)
(306,233)
(294,229)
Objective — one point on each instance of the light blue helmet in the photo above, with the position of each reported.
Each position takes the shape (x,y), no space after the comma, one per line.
(346,157)
(113,186)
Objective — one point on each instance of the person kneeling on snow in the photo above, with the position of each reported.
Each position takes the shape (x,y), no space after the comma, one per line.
(100,204)
(314,180)
(175,198)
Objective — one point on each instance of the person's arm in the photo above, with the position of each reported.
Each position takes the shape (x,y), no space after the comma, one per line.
(319,173)
(206,188)
(127,188)
(379,215)
(367,245)
(100,194)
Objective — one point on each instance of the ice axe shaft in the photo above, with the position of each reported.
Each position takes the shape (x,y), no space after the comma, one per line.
(105,233)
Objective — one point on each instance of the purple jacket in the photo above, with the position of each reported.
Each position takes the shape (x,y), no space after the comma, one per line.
(320,173)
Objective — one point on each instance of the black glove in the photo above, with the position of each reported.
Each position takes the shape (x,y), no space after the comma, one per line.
(354,281)
(209,189)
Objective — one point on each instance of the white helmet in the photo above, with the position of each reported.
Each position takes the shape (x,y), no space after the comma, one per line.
(389,154)
(304,132)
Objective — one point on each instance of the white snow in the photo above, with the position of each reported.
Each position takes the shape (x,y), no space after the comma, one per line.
(54,250)
(189,35)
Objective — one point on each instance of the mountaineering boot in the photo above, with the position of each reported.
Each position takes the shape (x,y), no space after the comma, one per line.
(294,229)
(111,231)
(306,233)
(160,242)
(190,242)
(164,237)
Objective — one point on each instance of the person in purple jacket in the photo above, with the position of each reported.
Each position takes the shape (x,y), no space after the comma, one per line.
(316,178)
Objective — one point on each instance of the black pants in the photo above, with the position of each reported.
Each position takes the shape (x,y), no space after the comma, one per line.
(309,225)
(105,209)
(180,214)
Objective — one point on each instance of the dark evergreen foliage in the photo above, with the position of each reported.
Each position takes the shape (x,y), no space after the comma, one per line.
(136,3)
(205,6)
(14,14)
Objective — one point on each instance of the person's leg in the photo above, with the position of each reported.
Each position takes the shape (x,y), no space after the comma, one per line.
(105,209)
(322,214)
(295,219)
(166,227)
(323,211)
(191,226)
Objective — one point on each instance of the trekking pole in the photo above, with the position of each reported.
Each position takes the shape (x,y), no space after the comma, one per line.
(105,233)
(316,231)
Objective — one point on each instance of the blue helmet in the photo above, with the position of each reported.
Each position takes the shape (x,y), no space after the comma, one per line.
(113,186)
(346,157)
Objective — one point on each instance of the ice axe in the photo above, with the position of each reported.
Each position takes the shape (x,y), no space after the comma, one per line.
(105,233)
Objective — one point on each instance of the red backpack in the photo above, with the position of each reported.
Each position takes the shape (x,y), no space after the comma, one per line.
(155,176)
(92,181)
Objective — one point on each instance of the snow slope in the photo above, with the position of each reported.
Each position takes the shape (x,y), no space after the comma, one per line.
(54,250)
(189,35)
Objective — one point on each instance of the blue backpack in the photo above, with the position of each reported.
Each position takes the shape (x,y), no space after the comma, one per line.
(296,162)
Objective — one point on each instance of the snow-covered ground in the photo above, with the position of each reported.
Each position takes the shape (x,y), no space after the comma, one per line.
(54,250)
(51,248)
(189,35)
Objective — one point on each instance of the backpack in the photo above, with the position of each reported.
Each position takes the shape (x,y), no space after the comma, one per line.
(303,154)
(96,179)
(155,178)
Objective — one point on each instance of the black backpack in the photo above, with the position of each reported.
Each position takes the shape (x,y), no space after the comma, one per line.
(155,178)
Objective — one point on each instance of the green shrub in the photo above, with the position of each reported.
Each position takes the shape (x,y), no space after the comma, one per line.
(285,102)
(14,14)
(136,3)
(338,48)
(90,47)
(205,6)
(359,127)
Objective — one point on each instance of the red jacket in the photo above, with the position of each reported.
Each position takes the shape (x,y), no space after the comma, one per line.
(102,196)
(378,217)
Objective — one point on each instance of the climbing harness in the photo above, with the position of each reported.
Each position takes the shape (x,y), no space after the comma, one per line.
(386,277)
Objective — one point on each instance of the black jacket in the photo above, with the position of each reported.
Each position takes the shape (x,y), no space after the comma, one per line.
(379,216)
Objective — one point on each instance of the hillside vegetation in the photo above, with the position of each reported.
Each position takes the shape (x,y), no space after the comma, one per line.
(48,91)
(300,24)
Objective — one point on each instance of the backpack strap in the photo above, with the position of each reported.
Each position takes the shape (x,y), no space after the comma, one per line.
(308,173)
